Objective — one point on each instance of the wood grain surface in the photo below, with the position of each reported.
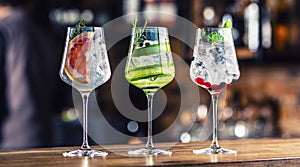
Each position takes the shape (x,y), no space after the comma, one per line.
(251,152)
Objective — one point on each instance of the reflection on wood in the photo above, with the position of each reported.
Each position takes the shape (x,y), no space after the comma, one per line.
(251,152)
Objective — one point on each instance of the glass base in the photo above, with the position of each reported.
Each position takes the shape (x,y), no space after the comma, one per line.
(81,152)
(153,151)
(214,151)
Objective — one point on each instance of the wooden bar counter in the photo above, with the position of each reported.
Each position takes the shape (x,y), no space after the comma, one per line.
(251,152)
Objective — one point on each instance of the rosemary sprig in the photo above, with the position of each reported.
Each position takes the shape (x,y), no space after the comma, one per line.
(78,26)
(134,22)
(140,36)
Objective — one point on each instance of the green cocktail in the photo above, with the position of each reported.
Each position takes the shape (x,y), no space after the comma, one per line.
(151,78)
(149,67)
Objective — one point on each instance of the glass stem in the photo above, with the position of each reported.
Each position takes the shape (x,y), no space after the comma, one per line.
(215,145)
(85,98)
(149,144)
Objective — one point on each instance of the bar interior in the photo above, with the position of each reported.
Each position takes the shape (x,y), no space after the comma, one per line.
(261,108)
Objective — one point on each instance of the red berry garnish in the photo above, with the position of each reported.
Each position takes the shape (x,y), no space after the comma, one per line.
(202,82)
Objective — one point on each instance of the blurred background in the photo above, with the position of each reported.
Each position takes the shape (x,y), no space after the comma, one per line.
(264,102)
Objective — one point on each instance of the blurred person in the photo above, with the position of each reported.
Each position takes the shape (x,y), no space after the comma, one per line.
(29,81)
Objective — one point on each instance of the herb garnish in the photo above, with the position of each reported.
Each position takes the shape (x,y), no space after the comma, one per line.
(215,36)
(78,27)
(140,35)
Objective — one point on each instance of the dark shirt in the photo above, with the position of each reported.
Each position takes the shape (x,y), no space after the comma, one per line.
(2,84)
(30,83)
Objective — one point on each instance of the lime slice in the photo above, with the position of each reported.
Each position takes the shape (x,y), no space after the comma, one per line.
(228,24)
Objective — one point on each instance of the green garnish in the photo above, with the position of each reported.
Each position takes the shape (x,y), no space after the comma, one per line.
(228,24)
(134,22)
(140,32)
(78,26)
(215,36)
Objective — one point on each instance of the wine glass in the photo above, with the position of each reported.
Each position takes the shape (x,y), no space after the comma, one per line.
(214,67)
(149,66)
(85,66)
